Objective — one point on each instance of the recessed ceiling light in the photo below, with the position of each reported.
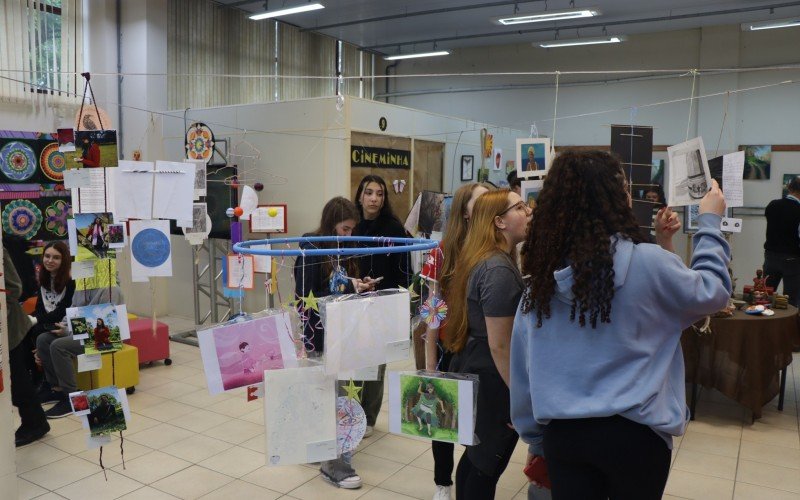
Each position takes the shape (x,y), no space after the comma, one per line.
(580,41)
(554,15)
(769,25)
(285,12)
(419,54)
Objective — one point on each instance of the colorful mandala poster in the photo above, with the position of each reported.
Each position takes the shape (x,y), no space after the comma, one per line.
(30,158)
(37,219)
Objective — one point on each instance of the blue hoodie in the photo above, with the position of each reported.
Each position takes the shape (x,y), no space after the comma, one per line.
(633,366)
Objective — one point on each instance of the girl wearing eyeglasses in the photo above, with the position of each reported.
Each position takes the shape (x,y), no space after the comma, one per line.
(483,298)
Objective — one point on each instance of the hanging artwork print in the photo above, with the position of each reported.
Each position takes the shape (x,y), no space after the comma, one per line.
(688,178)
(22,218)
(107,413)
(17,161)
(199,142)
(351,424)
(102,327)
(236,354)
(150,249)
(530,191)
(95,148)
(88,236)
(533,157)
(433,405)
(53,162)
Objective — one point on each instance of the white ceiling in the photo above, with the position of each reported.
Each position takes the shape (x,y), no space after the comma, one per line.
(392,26)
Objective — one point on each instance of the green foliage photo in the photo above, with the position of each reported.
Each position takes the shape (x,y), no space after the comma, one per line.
(445,425)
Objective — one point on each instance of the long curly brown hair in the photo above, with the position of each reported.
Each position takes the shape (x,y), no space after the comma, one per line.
(584,201)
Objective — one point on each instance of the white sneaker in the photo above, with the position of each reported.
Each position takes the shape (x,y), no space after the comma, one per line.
(442,493)
(368,431)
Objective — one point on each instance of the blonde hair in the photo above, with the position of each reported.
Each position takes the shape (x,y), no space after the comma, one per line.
(483,240)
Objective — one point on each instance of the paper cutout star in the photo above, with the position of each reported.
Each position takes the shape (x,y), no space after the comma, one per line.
(310,302)
(353,391)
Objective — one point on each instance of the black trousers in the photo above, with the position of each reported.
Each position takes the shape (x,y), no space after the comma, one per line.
(599,458)
(474,484)
(443,452)
(780,266)
(23,393)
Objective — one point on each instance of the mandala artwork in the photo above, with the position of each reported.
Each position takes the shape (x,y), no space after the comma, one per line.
(433,311)
(150,247)
(351,424)
(55,218)
(199,142)
(53,162)
(22,218)
(17,161)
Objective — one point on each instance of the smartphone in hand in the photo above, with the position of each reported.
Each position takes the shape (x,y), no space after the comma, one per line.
(537,472)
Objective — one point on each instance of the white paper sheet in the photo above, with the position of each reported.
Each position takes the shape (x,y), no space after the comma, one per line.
(173,193)
(262,263)
(89,362)
(461,407)
(200,178)
(229,365)
(366,374)
(366,331)
(729,225)
(135,195)
(249,202)
(83,270)
(687,177)
(262,221)
(77,178)
(99,196)
(732,174)
(300,416)
(151,249)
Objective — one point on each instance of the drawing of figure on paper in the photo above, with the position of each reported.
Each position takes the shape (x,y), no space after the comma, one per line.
(425,409)
(696,179)
(248,363)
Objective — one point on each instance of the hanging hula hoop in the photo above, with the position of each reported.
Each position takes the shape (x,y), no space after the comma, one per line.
(388,245)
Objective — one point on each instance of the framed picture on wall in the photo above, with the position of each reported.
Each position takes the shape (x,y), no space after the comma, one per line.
(467,167)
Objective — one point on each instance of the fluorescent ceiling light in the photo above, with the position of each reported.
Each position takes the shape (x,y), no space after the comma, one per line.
(580,41)
(769,25)
(285,12)
(554,15)
(414,56)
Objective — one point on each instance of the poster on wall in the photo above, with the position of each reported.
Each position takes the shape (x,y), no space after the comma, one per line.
(533,157)
(757,162)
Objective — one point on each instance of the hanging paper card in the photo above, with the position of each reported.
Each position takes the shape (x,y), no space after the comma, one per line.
(100,273)
(365,330)
(95,148)
(173,192)
(150,249)
(106,410)
(300,416)
(433,405)
(262,263)
(103,326)
(268,219)
(116,236)
(240,272)
(88,236)
(533,157)
(236,354)
(249,202)
(687,176)
(351,424)
(200,177)
(134,177)
(79,402)
(89,362)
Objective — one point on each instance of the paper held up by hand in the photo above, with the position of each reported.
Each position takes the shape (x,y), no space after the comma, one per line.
(687,177)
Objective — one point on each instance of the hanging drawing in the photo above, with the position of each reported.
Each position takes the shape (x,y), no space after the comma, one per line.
(91,117)
(95,148)
(433,405)
(533,157)
(300,416)
(17,161)
(365,330)
(102,327)
(351,424)
(150,249)
(53,162)
(237,354)
(22,218)
(687,176)
(199,142)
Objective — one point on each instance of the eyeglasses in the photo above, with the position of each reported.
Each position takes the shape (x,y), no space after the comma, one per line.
(520,205)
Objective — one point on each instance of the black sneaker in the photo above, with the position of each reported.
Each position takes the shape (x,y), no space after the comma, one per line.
(25,436)
(47,395)
(60,410)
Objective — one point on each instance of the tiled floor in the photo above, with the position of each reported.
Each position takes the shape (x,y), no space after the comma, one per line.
(183,443)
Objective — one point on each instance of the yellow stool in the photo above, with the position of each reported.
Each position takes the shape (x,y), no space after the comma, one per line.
(120,368)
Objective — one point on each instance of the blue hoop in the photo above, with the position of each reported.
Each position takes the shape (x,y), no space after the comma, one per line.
(404,245)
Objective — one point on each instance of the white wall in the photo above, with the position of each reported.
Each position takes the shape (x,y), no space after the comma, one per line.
(767,116)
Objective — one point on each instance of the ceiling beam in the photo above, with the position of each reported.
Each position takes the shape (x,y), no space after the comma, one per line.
(589,25)
(406,15)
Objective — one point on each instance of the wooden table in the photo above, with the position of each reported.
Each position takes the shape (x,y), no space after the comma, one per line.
(744,357)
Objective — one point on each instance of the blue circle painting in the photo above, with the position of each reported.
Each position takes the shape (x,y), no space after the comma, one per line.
(150,247)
